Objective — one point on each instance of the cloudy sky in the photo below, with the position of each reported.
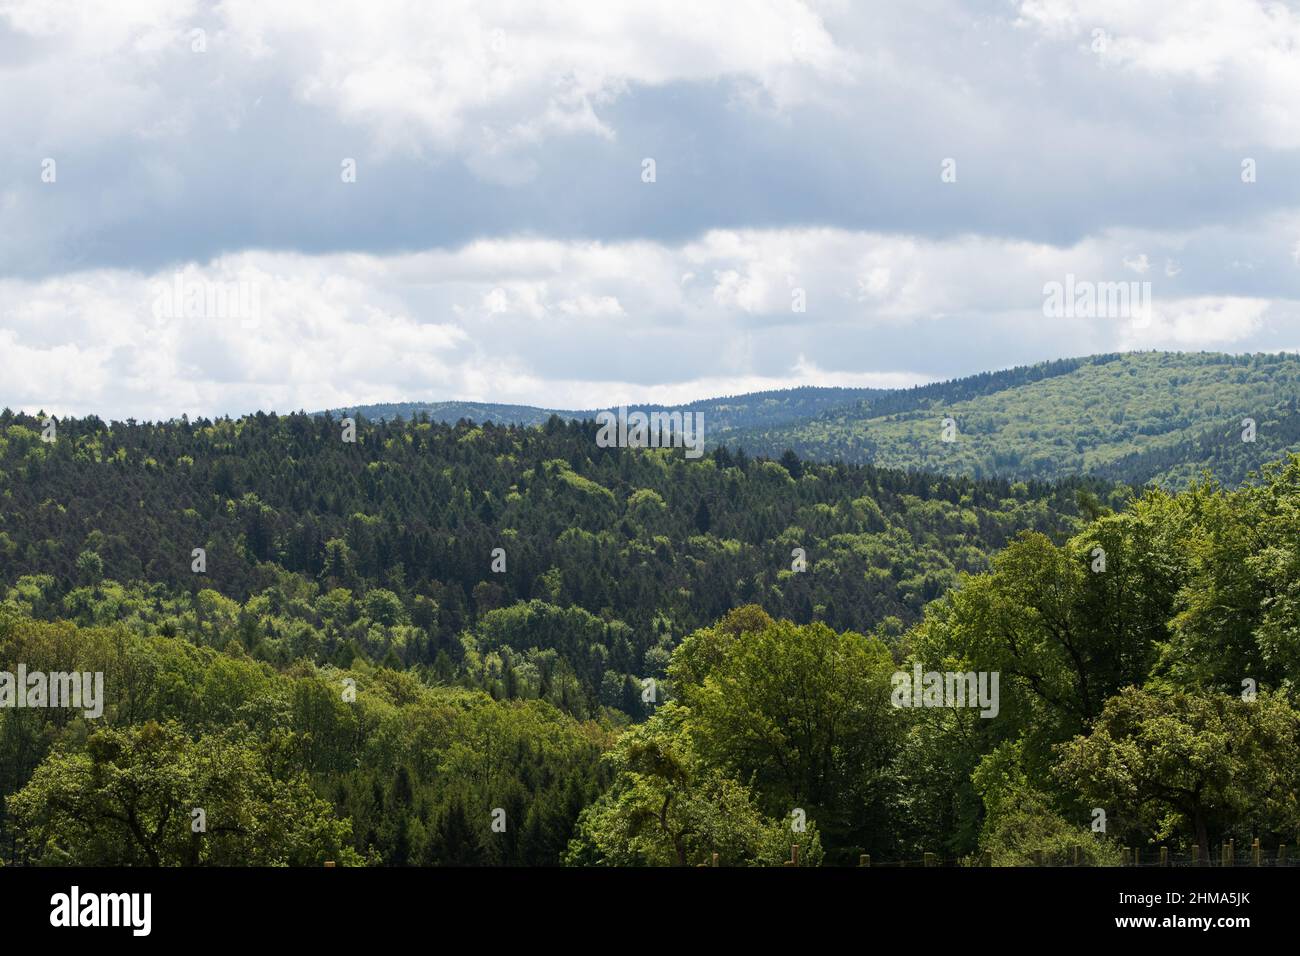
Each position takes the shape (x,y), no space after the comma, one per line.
(219,207)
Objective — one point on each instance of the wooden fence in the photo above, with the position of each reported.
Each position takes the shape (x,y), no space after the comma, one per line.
(1226,855)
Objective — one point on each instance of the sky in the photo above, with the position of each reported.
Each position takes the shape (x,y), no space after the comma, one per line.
(216,208)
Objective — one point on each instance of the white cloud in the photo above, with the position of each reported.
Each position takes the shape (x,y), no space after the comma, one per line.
(1241,54)
(477,79)
(1204,322)
(591,306)
(576,324)
(1139,264)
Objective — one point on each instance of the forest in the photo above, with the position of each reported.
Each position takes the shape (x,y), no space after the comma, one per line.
(1136,417)
(1133,417)
(461,644)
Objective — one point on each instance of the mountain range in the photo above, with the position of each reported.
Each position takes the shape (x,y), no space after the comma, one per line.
(1137,417)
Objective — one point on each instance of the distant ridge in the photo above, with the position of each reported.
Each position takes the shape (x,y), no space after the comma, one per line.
(1137,417)
(722,415)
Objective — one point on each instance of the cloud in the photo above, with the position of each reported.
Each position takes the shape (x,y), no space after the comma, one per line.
(466,77)
(581,324)
(1240,54)
(1209,322)
(1139,264)
(501,120)
(499,242)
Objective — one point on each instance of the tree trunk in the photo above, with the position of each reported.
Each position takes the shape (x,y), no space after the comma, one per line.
(1202,836)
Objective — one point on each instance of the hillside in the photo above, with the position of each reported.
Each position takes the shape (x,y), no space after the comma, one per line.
(380,645)
(722,416)
(449,413)
(1158,417)
(1137,418)
(351,675)
(619,548)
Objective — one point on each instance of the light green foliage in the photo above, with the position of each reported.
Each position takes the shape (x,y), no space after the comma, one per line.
(1185,761)
(1137,417)
(1124,630)
(667,807)
(129,800)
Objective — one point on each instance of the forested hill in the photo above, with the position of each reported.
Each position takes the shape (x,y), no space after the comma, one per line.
(721,415)
(384,547)
(1141,417)
(369,649)
(449,413)
(1137,417)
(348,678)
(735,413)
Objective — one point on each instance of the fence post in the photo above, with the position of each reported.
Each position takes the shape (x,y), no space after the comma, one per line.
(1255,852)
(1038,858)
(1164,856)
(1281,854)
(1078,855)
(1232,851)
(864,859)
(1225,857)
(1125,856)
(986,859)
(929,860)
(1196,854)
(794,855)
